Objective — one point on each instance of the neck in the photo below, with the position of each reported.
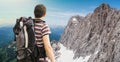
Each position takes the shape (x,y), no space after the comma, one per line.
(40,18)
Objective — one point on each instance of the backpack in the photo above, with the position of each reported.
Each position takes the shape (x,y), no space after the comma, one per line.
(25,39)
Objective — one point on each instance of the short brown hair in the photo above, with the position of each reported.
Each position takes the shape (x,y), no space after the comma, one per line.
(40,10)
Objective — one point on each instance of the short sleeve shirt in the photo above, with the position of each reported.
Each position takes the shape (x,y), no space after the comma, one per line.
(41,29)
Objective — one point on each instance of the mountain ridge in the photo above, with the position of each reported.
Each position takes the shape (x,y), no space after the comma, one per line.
(96,34)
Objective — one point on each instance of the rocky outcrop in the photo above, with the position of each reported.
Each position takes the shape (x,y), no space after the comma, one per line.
(56,47)
(97,34)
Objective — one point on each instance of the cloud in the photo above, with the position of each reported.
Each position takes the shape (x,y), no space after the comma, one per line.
(18,8)
(56,12)
(15,1)
(6,22)
(67,14)
(61,17)
(12,9)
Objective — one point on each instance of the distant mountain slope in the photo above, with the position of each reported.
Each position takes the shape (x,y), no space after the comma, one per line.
(96,35)
(7,53)
(56,32)
(7,35)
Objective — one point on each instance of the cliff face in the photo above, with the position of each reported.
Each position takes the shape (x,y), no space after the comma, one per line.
(97,35)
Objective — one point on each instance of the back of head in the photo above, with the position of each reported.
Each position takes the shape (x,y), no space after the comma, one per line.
(39,11)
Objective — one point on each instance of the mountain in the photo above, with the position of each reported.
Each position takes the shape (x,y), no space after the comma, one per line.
(56,32)
(8,50)
(7,35)
(96,35)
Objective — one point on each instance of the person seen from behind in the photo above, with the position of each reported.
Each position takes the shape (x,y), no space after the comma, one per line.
(42,32)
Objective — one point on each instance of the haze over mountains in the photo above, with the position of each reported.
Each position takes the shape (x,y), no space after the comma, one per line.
(7,35)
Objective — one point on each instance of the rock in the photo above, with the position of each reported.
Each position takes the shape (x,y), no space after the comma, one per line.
(56,47)
(97,34)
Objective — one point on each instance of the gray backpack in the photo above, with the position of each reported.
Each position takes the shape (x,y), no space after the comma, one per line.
(25,39)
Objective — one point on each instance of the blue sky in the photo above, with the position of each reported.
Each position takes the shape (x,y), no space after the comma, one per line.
(58,11)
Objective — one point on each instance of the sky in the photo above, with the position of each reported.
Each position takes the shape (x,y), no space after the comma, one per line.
(58,11)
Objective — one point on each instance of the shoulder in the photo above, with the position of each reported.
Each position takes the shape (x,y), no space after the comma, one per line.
(43,23)
(45,29)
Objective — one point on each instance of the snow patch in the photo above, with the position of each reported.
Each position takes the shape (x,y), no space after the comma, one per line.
(74,19)
(67,56)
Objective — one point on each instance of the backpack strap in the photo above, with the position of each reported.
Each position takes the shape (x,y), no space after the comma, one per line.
(23,19)
(26,36)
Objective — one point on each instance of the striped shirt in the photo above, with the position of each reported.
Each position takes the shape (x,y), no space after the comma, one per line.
(41,29)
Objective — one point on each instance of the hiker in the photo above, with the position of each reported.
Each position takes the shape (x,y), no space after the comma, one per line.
(42,32)
(32,38)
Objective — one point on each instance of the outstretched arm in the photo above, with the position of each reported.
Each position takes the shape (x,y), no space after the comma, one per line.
(48,48)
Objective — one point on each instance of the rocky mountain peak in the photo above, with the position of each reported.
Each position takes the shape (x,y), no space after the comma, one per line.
(96,35)
(102,11)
